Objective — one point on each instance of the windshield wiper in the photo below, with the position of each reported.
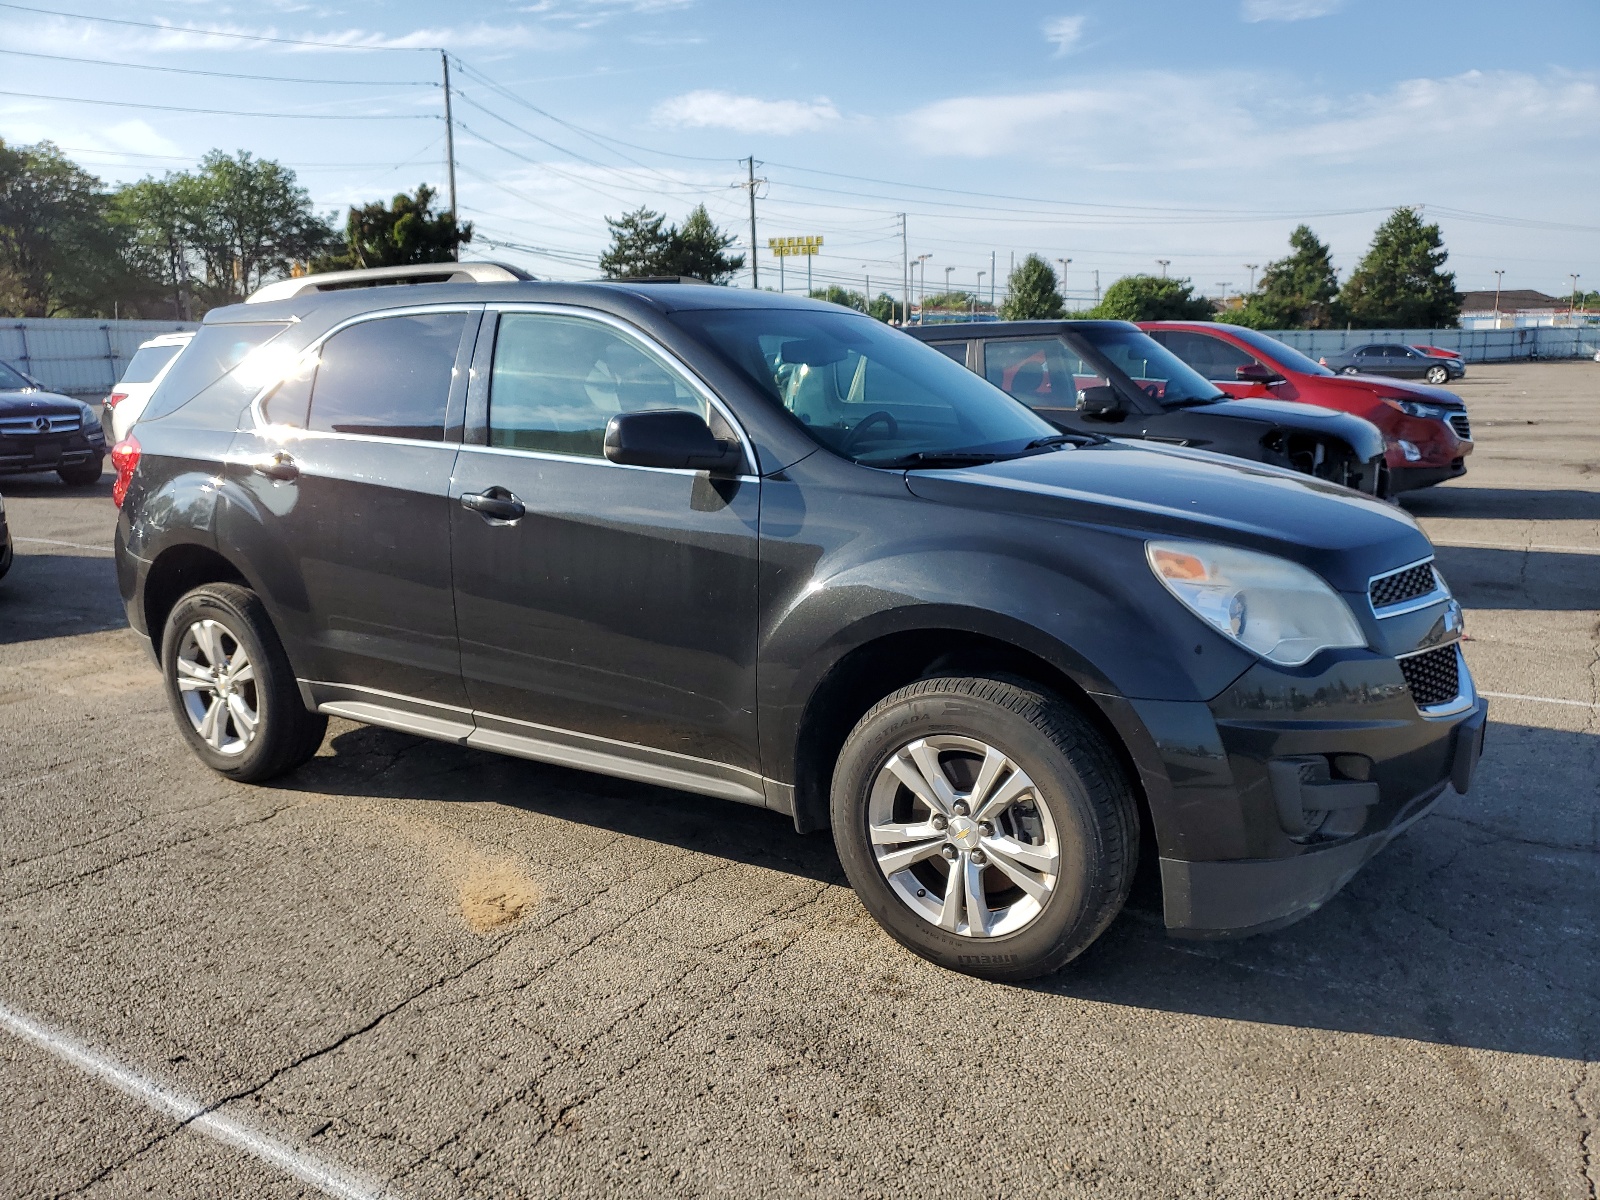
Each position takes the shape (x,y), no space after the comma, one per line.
(1065,439)
(1200,401)
(941,458)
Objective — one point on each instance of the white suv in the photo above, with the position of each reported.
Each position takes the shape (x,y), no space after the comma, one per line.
(144,372)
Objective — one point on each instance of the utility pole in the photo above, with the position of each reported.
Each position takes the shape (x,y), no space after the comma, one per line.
(755,258)
(1497,277)
(1165,263)
(905,275)
(450,154)
(1251,267)
(991,278)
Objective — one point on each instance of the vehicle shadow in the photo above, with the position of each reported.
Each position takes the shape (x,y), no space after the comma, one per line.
(58,595)
(48,485)
(1475,928)
(1544,504)
(1548,580)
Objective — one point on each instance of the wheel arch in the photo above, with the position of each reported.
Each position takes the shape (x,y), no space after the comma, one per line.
(176,571)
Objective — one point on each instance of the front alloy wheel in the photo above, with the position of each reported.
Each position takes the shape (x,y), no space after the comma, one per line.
(985,823)
(218,685)
(961,836)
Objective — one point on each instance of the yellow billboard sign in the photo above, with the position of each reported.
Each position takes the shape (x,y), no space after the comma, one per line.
(789,247)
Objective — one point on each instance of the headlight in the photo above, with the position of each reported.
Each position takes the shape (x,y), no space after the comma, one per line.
(1269,605)
(1415,408)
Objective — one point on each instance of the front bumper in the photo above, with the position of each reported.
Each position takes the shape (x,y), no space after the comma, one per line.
(1270,798)
(51,452)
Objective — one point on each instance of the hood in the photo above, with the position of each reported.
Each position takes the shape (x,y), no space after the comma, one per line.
(1159,491)
(23,404)
(1404,389)
(1362,435)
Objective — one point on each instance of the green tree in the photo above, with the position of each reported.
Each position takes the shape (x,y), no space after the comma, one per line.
(1299,291)
(155,216)
(834,294)
(1401,283)
(643,245)
(957,301)
(1152,298)
(887,309)
(1031,293)
(698,249)
(249,220)
(406,230)
(60,255)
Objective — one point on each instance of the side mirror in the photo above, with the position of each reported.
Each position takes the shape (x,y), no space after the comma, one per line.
(1099,401)
(671,438)
(1257,373)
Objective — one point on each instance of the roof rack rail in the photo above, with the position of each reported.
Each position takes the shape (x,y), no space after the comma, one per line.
(443,272)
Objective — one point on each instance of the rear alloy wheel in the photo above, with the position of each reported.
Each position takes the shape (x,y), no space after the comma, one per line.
(83,474)
(231,686)
(985,824)
(1438,376)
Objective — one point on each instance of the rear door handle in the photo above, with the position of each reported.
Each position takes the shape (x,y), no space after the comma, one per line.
(496,503)
(278,465)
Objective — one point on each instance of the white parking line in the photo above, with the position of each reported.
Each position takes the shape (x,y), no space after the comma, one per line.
(190,1113)
(58,542)
(1529,546)
(1537,699)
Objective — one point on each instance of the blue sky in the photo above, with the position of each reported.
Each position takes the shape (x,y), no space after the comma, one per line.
(1121,133)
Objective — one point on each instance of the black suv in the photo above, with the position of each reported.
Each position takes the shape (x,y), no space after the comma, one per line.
(41,431)
(1112,378)
(765,549)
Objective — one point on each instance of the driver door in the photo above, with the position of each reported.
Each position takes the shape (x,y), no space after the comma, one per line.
(1047,375)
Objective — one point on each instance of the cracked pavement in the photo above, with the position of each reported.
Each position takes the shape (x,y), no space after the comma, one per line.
(665,995)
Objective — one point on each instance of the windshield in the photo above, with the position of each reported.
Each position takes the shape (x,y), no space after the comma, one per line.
(866,391)
(1286,355)
(1149,365)
(12,381)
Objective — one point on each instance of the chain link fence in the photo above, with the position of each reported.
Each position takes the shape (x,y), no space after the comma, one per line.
(1474,345)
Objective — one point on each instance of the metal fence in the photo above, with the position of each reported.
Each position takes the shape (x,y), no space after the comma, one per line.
(81,358)
(1474,345)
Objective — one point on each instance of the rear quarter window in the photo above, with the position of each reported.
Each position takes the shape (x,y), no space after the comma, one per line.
(215,350)
(146,364)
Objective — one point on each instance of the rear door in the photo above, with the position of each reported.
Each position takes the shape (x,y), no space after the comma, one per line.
(614,616)
(350,469)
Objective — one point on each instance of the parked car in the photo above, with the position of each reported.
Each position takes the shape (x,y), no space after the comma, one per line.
(1109,378)
(1396,362)
(766,549)
(1438,352)
(140,378)
(6,551)
(1425,429)
(41,431)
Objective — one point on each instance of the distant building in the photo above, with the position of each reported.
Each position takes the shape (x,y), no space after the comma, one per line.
(1519,308)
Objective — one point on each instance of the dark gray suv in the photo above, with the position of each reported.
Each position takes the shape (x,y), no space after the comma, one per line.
(770,550)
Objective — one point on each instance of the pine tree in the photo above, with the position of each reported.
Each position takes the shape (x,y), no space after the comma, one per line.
(1153,298)
(1400,284)
(1297,292)
(1032,294)
(640,246)
(404,231)
(698,249)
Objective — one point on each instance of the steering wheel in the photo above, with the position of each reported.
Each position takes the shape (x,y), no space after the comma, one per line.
(880,417)
(1153,391)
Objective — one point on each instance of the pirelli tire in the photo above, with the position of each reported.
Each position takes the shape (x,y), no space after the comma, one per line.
(1001,790)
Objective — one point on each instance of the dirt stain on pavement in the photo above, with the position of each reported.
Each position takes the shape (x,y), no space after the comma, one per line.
(495,894)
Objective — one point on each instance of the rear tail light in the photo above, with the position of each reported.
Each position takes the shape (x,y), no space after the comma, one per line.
(125,458)
(115,399)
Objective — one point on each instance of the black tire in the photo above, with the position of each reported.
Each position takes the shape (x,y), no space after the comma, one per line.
(1438,376)
(286,733)
(1090,807)
(83,474)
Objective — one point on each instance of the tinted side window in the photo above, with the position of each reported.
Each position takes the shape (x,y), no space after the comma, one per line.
(1041,372)
(557,381)
(388,377)
(1212,357)
(215,350)
(955,350)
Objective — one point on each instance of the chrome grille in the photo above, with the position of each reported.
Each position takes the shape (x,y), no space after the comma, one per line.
(1463,428)
(1434,676)
(48,423)
(1399,586)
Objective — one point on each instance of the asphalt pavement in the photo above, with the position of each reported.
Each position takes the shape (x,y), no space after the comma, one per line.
(419,970)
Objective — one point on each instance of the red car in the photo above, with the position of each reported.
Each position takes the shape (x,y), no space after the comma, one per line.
(1436,351)
(1425,429)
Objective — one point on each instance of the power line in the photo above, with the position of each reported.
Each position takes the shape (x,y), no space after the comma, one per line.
(244,37)
(224,112)
(102,62)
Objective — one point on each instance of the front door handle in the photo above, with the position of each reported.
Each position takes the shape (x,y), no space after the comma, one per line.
(496,503)
(278,465)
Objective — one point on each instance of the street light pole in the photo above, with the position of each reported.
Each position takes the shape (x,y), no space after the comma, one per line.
(1165,262)
(991,278)
(977,297)
(1252,269)
(947,271)
(922,285)
(1065,263)
(1575,278)
(1497,277)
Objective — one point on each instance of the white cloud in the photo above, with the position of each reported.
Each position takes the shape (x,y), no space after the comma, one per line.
(707,109)
(1065,32)
(1240,121)
(1287,10)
